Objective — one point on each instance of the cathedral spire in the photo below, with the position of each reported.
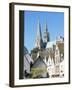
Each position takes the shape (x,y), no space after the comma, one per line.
(39,35)
(46,37)
(38,43)
(46,28)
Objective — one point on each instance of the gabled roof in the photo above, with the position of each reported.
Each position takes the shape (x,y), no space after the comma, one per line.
(46,54)
(39,63)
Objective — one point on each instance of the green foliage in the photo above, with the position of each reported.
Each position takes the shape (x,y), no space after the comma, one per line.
(35,50)
(37,72)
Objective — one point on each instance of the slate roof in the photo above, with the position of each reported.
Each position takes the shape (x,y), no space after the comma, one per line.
(39,63)
(27,56)
(25,50)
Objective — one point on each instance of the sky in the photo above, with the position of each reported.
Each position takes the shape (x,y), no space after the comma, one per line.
(55,24)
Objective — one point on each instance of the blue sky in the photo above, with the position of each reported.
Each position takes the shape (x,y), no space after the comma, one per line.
(55,24)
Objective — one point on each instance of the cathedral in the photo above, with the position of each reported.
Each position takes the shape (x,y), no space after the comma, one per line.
(47,56)
(51,52)
(39,42)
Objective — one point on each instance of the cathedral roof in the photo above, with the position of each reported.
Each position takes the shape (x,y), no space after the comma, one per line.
(50,44)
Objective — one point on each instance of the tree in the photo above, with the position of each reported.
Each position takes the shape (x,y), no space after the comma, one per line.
(35,50)
(37,72)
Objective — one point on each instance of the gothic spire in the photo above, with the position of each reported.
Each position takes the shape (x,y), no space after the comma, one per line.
(46,28)
(39,41)
(39,34)
(46,37)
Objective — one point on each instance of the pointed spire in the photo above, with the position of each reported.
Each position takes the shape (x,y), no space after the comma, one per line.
(46,35)
(46,29)
(39,35)
(39,40)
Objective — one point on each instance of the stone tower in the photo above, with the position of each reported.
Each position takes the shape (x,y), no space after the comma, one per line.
(39,41)
(46,37)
